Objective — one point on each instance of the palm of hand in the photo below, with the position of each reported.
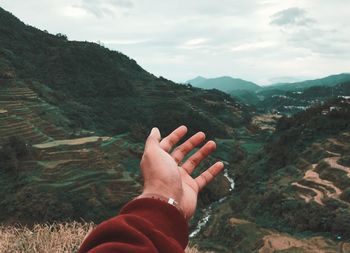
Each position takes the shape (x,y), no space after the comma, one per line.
(163,175)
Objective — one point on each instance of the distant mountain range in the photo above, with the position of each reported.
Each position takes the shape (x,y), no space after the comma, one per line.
(328,81)
(74,116)
(230,84)
(225,83)
(82,111)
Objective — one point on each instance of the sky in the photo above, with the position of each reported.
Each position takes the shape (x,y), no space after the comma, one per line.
(264,41)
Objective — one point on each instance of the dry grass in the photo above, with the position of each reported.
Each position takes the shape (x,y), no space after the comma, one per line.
(54,238)
(63,237)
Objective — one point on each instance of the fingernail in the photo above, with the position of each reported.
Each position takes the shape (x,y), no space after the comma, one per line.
(153,129)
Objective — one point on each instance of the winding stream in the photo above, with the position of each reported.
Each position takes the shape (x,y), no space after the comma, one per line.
(207,211)
(232,182)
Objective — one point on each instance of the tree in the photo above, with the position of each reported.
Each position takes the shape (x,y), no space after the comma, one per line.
(12,151)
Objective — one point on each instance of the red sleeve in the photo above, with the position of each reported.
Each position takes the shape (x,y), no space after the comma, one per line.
(143,226)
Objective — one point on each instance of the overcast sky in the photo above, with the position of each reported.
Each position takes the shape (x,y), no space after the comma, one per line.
(263,41)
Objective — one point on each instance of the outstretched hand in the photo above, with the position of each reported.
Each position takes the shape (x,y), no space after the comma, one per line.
(166,173)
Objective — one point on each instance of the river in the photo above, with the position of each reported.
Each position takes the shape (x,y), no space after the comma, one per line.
(208,211)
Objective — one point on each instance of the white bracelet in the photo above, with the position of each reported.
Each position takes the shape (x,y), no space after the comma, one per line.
(170,201)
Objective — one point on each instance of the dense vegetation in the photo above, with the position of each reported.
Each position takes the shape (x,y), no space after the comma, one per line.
(288,102)
(12,151)
(225,83)
(52,88)
(328,81)
(55,89)
(104,90)
(263,197)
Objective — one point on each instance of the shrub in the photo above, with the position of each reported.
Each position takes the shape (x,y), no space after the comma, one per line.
(346,195)
(12,151)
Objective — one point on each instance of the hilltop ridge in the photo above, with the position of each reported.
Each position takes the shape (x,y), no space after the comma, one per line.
(111,92)
(73,119)
(74,116)
(328,81)
(225,83)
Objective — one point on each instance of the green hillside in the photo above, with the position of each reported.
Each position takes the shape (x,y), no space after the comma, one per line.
(225,83)
(74,116)
(328,81)
(291,102)
(294,193)
(103,90)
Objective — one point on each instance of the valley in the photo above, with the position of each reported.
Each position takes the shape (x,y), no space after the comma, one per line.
(72,131)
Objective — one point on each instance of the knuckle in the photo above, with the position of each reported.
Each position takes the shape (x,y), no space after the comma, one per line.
(191,144)
(194,162)
(177,159)
(206,179)
(170,142)
(180,150)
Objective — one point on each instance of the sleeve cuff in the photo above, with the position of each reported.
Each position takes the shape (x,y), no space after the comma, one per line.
(165,217)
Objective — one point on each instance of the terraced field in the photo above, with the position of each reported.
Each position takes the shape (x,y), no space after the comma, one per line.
(319,181)
(90,176)
(22,114)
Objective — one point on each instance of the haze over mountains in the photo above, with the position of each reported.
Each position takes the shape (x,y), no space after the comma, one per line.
(285,98)
(225,83)
(230,84)
(74,116)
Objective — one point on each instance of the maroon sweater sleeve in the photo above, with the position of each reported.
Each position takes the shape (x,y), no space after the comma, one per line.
(143,226)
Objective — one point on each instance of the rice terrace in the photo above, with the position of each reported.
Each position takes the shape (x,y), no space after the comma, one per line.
(74,117)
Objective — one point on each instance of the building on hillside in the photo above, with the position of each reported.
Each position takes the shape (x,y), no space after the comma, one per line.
(325,112)
(345,99)
(334,108)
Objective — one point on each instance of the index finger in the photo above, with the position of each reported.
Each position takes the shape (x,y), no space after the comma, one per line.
(172,139)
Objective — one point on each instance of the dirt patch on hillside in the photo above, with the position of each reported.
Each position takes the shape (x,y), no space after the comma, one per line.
(279,242)
(54,164)
(333,162)
(234,221)
(322,187)
(318,194)
(72,142)
(266,122)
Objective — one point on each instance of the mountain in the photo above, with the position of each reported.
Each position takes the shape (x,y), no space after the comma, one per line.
(74,116)
(329,81)
(293,195)
(225,83)
(73,119)
(290,102)
(99,89)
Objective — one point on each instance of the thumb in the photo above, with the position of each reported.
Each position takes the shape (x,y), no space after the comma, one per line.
(154,136)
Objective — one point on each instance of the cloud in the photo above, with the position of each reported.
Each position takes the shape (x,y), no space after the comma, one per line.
(253,46)
(300,31)
(251,39)
(286,79)
(74,12)
(124,41)
(291,16)
(101,8)
(123,3)
(320,40)
(195,43)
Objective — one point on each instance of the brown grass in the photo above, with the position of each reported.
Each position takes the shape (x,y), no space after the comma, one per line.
(53,238)
(62,237)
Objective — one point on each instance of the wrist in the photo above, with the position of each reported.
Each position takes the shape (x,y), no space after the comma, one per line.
(168,200)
